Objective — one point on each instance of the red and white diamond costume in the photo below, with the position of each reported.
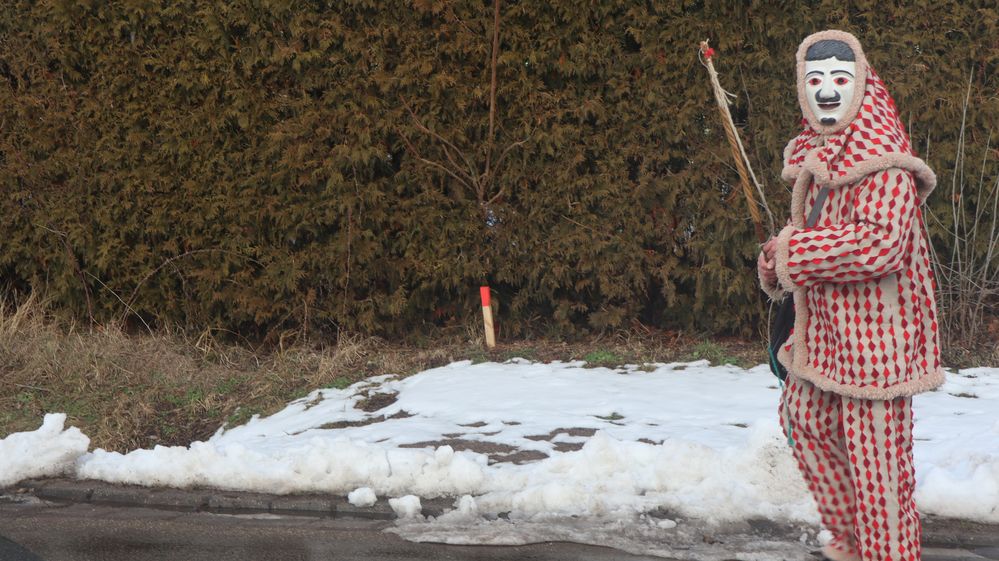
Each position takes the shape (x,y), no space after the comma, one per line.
(865,332)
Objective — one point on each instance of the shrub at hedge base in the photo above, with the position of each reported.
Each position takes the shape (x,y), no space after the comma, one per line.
(263,165)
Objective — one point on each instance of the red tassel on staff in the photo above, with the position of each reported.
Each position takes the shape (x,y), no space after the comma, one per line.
(487,316)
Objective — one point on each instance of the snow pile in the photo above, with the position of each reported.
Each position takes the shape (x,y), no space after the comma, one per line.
(362,497)
(643,440)
(46,452)
(406,507)
(537,441)
(312,464)
(957,447)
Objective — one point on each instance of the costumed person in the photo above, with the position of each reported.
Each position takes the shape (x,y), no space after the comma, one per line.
(864,339)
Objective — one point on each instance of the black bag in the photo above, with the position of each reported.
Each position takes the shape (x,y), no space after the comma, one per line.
(780,330)
(783,319)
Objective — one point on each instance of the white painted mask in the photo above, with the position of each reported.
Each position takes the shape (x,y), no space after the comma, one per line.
(830,85)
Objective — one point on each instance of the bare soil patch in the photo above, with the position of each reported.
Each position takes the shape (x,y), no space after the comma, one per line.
(497,452)
(377,401)
(575,431)
(365,422)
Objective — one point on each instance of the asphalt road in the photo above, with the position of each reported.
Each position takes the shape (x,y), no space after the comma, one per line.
(86,532)
(41,531)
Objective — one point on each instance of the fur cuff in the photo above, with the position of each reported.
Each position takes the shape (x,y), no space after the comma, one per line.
(772,290)
(783,256)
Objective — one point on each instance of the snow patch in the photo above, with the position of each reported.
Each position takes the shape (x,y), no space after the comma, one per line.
(46,452)
(407,507)
(362,497)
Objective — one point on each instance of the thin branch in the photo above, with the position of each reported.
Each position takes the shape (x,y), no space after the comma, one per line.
(419,158)
(71,257)
(127,307)
(350,239)
(472,173)
(455,172)
(492,84)
(956,196)
(590,228)
(135,291)
(457,168)
(992,231)
(507,150)
(450,11)
(445,170)
(499,195)
(499,162)
(978,196)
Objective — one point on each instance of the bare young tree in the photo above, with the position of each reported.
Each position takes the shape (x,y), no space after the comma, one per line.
(479,178)
(968,278)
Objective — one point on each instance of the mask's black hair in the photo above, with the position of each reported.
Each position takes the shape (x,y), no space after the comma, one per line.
(830,48)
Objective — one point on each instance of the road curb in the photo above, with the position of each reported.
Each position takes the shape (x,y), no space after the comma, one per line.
(953,532)
(937,532)
(212,500)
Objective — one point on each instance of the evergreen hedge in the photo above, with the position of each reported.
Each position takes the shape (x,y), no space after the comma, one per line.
(261,165)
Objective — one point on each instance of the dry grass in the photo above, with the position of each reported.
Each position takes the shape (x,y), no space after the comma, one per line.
(127,391)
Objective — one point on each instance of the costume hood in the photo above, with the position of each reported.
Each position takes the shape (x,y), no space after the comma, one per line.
(869,138)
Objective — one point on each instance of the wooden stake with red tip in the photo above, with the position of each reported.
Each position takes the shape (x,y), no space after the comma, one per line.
(487,316)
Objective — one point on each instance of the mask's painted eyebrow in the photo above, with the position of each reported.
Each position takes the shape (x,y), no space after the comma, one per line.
(847,72)
(819,72)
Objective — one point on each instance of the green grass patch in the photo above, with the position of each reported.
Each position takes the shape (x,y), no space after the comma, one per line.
(715,354)
(478,356)
(604,358)
(240,416)
(341,383)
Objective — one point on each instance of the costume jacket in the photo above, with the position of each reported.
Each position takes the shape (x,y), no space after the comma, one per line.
(865,314)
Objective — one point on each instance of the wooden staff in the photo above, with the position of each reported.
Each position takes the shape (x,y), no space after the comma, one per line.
(738,152)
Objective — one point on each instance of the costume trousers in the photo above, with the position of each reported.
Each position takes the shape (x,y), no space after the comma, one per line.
(856,457)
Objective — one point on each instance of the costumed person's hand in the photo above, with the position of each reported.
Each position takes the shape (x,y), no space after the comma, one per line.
(767,262)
